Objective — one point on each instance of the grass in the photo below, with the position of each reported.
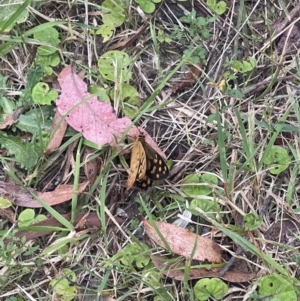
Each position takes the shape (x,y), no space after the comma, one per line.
(231,136)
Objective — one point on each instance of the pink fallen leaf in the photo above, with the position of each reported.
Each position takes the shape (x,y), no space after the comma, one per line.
(184,242)
(96,120)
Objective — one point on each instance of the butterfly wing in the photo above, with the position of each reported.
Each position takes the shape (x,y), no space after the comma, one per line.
(144,183)
(137,164)
(157,168)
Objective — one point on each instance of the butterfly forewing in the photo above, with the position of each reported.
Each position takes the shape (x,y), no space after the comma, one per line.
(137,163)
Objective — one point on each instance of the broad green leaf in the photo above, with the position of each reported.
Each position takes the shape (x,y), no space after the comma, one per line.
(277,288)
(29,123)
(114,13)
(24,153)
(12,12)
(100,92)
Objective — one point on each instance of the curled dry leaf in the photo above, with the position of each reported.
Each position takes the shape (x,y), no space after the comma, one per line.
(190,79)
(61,194)
(182,242)
(11,118)
(177,271)
(8,213)
(58,130)
(91,221)
(91,167)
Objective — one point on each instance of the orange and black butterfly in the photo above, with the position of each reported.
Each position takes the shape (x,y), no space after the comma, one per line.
(146,165)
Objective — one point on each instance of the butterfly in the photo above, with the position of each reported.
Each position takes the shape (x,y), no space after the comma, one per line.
(146,165)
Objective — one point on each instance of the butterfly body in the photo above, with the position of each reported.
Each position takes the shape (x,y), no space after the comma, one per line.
(146,165)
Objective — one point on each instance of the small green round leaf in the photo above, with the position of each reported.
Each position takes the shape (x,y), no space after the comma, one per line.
(277,159)
(106,31)
(113,65)
(213,287)
(220,8)
(277,287)
(212,208)
(26,218)
(5,203)
(42,95)
(252,222)
(49,36)
(190,185)
(146,5)
(100,92)
(62,285)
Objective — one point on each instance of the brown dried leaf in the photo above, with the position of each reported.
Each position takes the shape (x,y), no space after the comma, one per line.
(11,118)
(91,222)
(58,130)
(190,79)
(91,167)
(8,214)
(182,242)
(61,194)
(177,271)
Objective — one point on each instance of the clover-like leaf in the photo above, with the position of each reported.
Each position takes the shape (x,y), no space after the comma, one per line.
(100,92)
(252,222)
(277,159)
(147,6)
(113,12)
(218,7)
(212,208)
(130,100)
(62,285)
(213,287)
(113,65)
(50,37)
(42,95)
(45,61)
(106,31)
(277,287)
(131,253)
(27,218)
(191,184)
